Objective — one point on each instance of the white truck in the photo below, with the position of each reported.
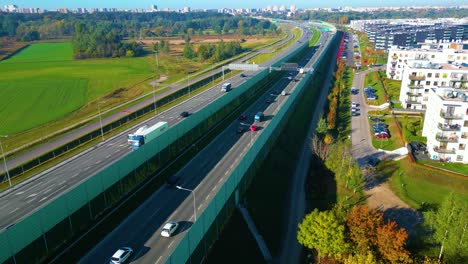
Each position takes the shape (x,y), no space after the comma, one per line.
(145,134)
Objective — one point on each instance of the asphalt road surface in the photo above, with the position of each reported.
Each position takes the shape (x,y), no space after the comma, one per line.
(204,174)
(20,200)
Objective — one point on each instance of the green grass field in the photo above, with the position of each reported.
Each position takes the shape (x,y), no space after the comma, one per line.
(43,83)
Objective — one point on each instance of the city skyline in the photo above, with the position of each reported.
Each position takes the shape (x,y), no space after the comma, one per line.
(206,4)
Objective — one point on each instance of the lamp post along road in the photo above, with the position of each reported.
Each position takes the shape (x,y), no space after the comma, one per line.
(4,159)
(154,98)
(193,193)
(100,119)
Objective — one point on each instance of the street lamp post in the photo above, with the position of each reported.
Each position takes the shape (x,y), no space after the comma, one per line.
(154,98)
(193,193)
(100,119)
(4,159)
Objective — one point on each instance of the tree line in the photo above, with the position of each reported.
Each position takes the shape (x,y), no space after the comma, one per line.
(213,52)
(54,25)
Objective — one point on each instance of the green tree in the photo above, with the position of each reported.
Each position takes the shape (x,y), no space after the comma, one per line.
(366,258)
(321,126)
(325,232)
(449,224)
(189,53)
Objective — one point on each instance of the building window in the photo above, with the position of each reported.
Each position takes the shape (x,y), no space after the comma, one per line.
(461,146)
(433,56)
(436,83)
(466,123)
(429,74)
(428,83)
(426,91)
(437,75)
(459,157)
(443,84)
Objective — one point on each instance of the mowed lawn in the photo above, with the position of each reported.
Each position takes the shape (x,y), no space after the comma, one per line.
(44,83)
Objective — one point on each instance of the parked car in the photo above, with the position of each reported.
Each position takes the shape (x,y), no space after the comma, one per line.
(169,229)
(375,119)
(382,135)
(121,255)
(354,109)
(354,104)
(372,97)
(355,114)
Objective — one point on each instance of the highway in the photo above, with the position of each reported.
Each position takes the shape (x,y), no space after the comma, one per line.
(204,174)
(23,199)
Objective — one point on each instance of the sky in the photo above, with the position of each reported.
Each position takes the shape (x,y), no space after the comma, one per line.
(54,4)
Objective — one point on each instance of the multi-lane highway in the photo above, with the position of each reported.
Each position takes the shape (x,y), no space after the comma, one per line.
(23,199)
(204,174)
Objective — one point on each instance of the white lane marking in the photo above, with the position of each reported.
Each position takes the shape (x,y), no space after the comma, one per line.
(207,197)
(46,191)
(199,207)
(62,182)
(32,195)
(3,206)
(16,209)
(19,193)
(170,244)
(87,168)
(157,261)
(43,199)
(108,156)
(226,173)
(74,175)
(97,162)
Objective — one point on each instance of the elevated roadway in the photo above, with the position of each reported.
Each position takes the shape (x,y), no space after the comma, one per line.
(204,174)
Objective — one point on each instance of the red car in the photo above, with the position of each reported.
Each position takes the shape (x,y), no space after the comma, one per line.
(242,117)
(382,135)
(253,128)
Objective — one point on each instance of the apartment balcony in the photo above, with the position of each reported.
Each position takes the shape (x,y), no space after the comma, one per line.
(392,73)
(462,78)
(444,150)
(412,101)
(393,63)
(413,93)
(417,77)
(464,135)
(394,57)
(416,86)
(449,127)
(446,115)
(443,138)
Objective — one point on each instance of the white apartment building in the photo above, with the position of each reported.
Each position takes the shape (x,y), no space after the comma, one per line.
(434,52)
(419,76)
(446,124)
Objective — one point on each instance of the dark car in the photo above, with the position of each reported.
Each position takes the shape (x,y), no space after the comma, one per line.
(184,114)
(173,180)
(242,117)
(240,130)
(375,119)
(355,113)
(243,75)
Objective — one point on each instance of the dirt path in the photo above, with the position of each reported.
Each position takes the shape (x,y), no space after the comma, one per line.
(380,196)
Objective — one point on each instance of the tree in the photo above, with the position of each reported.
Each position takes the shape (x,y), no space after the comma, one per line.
(391,241)
(319,147)
(188,51)
(325,232)
(362,223)
(450,227)
(321,126)
(367,258)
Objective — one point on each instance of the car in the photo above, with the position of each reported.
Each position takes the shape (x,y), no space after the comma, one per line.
(253,128)
(375,119)
(354,104)
(378,131)
(173,180)
(243,75)
(379,125)
(242,117)
(240,130)
(290,78)
(354,109)
(372,97)
(184,114)
(382,136)
(355,113)
(121,255)
(369,89)
(169,229)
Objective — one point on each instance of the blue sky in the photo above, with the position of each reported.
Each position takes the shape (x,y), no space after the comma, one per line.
(52,4)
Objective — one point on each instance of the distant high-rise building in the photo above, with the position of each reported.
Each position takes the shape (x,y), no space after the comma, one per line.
(186,9)
(153,8)
(275,8)
(282,8)
(11,8)
(292,8)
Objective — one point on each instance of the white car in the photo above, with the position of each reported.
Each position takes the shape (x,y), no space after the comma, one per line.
(121,255)
(169,229)
(354,104)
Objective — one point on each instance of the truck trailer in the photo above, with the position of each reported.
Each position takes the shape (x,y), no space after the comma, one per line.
(226,87)
(145,134)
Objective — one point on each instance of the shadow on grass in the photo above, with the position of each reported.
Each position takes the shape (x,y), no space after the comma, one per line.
(321,186)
